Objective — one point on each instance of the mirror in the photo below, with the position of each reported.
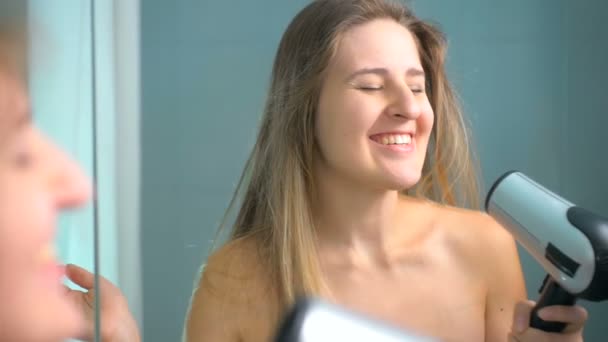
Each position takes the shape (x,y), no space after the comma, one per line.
(83,84)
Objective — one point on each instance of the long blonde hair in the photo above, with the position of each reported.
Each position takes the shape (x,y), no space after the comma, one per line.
(276,187)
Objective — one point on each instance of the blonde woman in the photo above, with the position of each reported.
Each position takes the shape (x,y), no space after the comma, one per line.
(356,192)
(37,181)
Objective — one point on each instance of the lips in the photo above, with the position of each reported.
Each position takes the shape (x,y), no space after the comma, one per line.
(47,254)
(51,270)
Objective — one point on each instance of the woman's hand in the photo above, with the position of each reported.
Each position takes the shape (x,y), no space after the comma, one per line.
(117,323)
(574,317)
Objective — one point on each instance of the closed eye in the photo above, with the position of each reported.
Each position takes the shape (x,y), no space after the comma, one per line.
(370,87)
(417,90)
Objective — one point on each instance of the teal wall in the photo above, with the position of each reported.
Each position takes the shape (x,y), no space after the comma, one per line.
(530,74)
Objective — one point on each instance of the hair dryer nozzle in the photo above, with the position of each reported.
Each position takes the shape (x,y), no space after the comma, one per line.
(538,219)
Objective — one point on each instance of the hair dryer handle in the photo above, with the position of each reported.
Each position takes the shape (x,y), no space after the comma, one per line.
(551,294)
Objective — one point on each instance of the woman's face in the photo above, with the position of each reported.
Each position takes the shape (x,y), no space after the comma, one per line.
(374,118)
(37,181)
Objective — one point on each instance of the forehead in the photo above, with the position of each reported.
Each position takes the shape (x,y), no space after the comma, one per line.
(378,43)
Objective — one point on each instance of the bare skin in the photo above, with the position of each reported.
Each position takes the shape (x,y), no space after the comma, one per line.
(439,283)
(436,282)
(234,300)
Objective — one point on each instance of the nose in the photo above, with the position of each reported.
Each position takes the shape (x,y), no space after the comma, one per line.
(70,185)
(404,104)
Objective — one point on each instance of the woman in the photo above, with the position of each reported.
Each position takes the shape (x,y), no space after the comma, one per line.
(37,181)
(355,191)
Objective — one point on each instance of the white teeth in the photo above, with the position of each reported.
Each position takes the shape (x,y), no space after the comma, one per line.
(395,139)
(47,253)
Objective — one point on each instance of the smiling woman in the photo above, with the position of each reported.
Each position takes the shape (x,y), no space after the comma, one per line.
(36,181)
(357,191)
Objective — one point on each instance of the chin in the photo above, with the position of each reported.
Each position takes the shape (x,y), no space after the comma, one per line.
(398,175)
(403,181)
(399,183)
(57,327)
(53,315)
(49,326)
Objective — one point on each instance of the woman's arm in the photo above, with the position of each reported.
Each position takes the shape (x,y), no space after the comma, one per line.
(507,307)
(505,282)
(233,300)
(212,315)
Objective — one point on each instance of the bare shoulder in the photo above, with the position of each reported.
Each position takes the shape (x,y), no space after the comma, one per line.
(233,286)
(471,237)
(490,252)
(476,235)
(485,247)
(235,266)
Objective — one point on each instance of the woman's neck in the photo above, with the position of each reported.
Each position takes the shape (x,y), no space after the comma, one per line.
(363,225)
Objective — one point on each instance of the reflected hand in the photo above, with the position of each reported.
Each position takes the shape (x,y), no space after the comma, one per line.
(574,317)
(117,323)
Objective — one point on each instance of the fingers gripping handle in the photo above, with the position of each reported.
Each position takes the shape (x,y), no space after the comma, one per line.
(551,294)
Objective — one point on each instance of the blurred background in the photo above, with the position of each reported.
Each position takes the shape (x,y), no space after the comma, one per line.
(178,87)
(84,85)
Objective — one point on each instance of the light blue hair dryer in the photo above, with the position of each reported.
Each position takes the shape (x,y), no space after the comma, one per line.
(569,242)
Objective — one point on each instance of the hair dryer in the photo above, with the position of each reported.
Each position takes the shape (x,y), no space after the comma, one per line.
(314,320)
(569,242)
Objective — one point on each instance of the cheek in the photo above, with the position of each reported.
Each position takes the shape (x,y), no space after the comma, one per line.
(28,214)
(426,120)
(19,237)
(26,223)
(345,122)
(16,263)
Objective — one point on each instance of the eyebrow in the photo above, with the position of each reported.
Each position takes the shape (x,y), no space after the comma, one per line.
(411,72)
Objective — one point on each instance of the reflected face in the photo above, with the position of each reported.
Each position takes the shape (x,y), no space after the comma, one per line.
(37,181)
(374,118)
